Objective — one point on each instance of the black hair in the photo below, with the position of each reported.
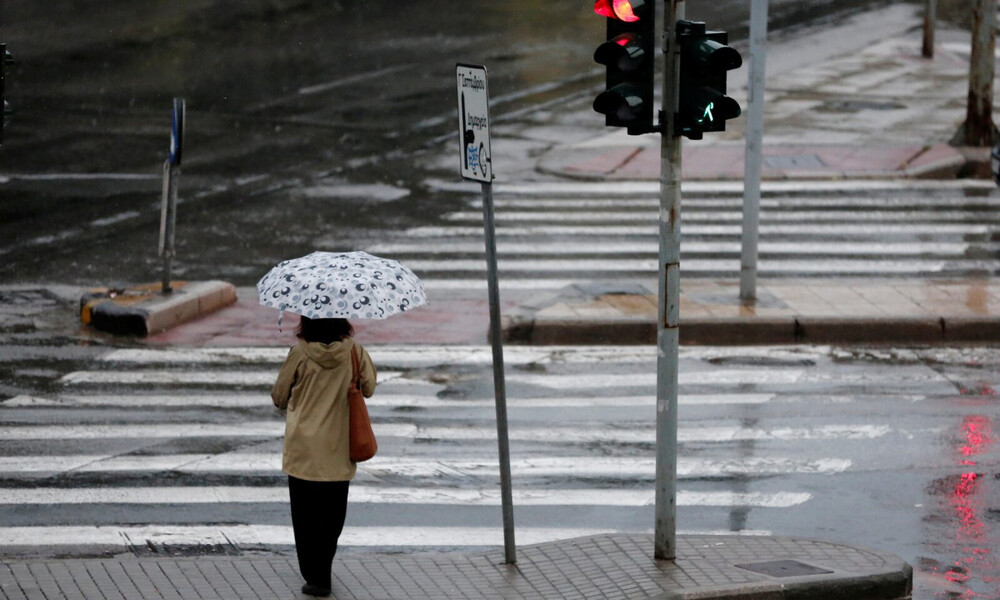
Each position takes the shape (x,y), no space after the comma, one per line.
(324,331)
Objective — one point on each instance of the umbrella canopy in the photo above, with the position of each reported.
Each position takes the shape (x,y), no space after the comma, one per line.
(346,285)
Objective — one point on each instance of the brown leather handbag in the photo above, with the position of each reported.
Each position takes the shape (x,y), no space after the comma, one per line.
(363,444)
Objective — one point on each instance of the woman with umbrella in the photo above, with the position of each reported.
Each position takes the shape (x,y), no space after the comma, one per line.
(312,386)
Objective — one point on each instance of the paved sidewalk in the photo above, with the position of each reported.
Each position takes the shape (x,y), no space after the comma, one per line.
(449,318)
(787,311)
(605,567)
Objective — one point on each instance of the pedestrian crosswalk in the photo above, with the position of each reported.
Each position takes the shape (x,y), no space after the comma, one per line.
(180,448)
(552,235)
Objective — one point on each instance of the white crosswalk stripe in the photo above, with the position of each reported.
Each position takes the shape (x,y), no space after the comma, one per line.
(168,434)
(552,235)
(551,466)
(392,495)
(581,434)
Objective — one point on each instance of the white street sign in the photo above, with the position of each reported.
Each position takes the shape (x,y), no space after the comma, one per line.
(474,123)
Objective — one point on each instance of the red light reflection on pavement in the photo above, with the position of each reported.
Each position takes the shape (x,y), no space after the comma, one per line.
(968,506)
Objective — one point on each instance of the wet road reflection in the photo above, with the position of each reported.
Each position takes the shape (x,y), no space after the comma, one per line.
(971,536)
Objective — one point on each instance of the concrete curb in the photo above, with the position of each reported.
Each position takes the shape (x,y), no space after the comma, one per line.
(725,162)
(754,331)
(891,580)
(142,310)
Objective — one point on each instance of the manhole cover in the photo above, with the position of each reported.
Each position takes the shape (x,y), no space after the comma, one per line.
(784,568)
(797,161)
(858,105)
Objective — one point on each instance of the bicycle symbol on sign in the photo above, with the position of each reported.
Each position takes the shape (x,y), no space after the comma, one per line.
(477,157)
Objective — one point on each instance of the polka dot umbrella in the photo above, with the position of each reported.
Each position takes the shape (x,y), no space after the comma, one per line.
(345,285)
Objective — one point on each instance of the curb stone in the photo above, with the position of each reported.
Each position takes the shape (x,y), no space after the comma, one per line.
(142,310)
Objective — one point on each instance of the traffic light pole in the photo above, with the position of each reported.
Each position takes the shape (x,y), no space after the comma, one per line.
(667,332)
(754,152)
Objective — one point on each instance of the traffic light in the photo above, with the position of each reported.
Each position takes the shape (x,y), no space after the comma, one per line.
(5,58)
(628,55)
(705,59)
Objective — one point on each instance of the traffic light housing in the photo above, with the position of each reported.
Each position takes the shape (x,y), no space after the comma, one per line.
(628,54)
(705,59)
(5,59)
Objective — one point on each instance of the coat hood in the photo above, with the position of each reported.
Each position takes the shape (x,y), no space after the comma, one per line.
(328,355)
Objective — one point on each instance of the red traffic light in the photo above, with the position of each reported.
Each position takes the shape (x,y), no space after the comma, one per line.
(624,52)
(622,10)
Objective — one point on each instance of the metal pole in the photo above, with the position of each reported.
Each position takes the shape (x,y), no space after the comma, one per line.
(667,333)
(500,390)
(930,18)
(979,129)
(168,222)
(754,150)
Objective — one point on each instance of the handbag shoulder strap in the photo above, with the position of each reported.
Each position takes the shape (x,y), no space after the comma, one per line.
(355,367)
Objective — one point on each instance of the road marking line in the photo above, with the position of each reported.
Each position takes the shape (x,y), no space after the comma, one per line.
(836,231)
(395,466)
(389,401)
(575,434)
(362,494)
(691,248)
(247,378)
(848,204)
(393,382)
(734,216)
(702,265)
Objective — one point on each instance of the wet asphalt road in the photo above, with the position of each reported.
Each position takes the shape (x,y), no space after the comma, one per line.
(305,118)
(892,448)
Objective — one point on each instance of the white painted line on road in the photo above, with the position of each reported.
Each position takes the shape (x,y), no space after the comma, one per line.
(379,400)
(396,466)
(704,265)
(629,434)
(556,381)
(393,356)
(856,230)
(191,377)
(633,434)
(247,355)
(400,356)
(734,216)
(362,494)
(693,247)
(592,380)
(551,380)
(351,80)
(508,283)
(81,176)
(172,430)
(847,203)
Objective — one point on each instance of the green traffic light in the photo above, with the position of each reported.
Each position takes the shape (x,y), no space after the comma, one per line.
(708,113)
(704,60)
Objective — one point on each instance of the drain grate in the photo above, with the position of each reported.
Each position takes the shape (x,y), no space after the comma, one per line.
(784,568)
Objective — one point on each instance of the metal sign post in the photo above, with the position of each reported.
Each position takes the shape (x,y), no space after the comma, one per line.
(171,175)
(477,165)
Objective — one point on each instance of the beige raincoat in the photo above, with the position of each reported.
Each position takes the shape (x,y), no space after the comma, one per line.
(312,387)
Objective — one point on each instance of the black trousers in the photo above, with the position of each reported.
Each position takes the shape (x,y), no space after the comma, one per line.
(318,512)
